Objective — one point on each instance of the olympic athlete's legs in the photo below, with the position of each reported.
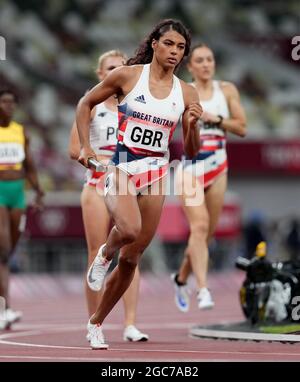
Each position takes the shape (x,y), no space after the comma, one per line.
(214,199)
(96,225)
(17,225)
(5,249)
(136,220)
(10,232)
(9,236)
(196,251)
(96,222)
(130,299)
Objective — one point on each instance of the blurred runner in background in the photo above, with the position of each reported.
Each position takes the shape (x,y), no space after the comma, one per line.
(16,166)
(222,114)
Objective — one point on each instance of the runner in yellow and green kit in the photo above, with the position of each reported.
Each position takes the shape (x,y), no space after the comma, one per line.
(16,165)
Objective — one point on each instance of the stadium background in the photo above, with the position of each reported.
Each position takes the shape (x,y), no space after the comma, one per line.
(51,52)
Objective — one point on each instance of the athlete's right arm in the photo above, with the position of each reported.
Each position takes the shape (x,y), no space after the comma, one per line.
(112,84)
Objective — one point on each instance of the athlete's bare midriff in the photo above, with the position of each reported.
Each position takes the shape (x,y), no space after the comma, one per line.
(11,174)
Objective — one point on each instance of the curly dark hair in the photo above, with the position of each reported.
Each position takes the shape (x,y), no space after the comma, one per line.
(144,53)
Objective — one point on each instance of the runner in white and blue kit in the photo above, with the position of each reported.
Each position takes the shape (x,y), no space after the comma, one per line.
(222,114)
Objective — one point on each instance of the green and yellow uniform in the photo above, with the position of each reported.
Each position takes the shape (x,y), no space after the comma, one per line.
(12,155)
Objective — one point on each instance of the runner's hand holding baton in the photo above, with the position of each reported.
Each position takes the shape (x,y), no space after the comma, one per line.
(96,165)
(91,161)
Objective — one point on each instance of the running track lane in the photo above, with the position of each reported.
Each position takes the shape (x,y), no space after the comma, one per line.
(54,323)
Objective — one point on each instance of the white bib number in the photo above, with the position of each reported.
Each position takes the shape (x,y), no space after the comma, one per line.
(148,138)
(11,153)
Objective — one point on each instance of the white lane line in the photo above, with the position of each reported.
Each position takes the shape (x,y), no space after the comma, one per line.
(240,352)
(54,358)
(13,343)
(108,360)
(139,350)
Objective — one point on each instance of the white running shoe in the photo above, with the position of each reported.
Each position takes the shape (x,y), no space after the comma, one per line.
(131,333)
(182,298)
(9,317)
(97,271)
(205,300)
(13,316)
(96,337)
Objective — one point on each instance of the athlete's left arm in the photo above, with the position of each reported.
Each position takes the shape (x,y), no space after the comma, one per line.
(31,175)
(190,117)
(236,123)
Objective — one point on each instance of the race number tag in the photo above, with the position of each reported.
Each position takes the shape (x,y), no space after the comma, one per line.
(146,137)
(11,153)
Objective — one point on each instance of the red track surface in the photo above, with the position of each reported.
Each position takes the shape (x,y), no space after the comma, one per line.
(53,328)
